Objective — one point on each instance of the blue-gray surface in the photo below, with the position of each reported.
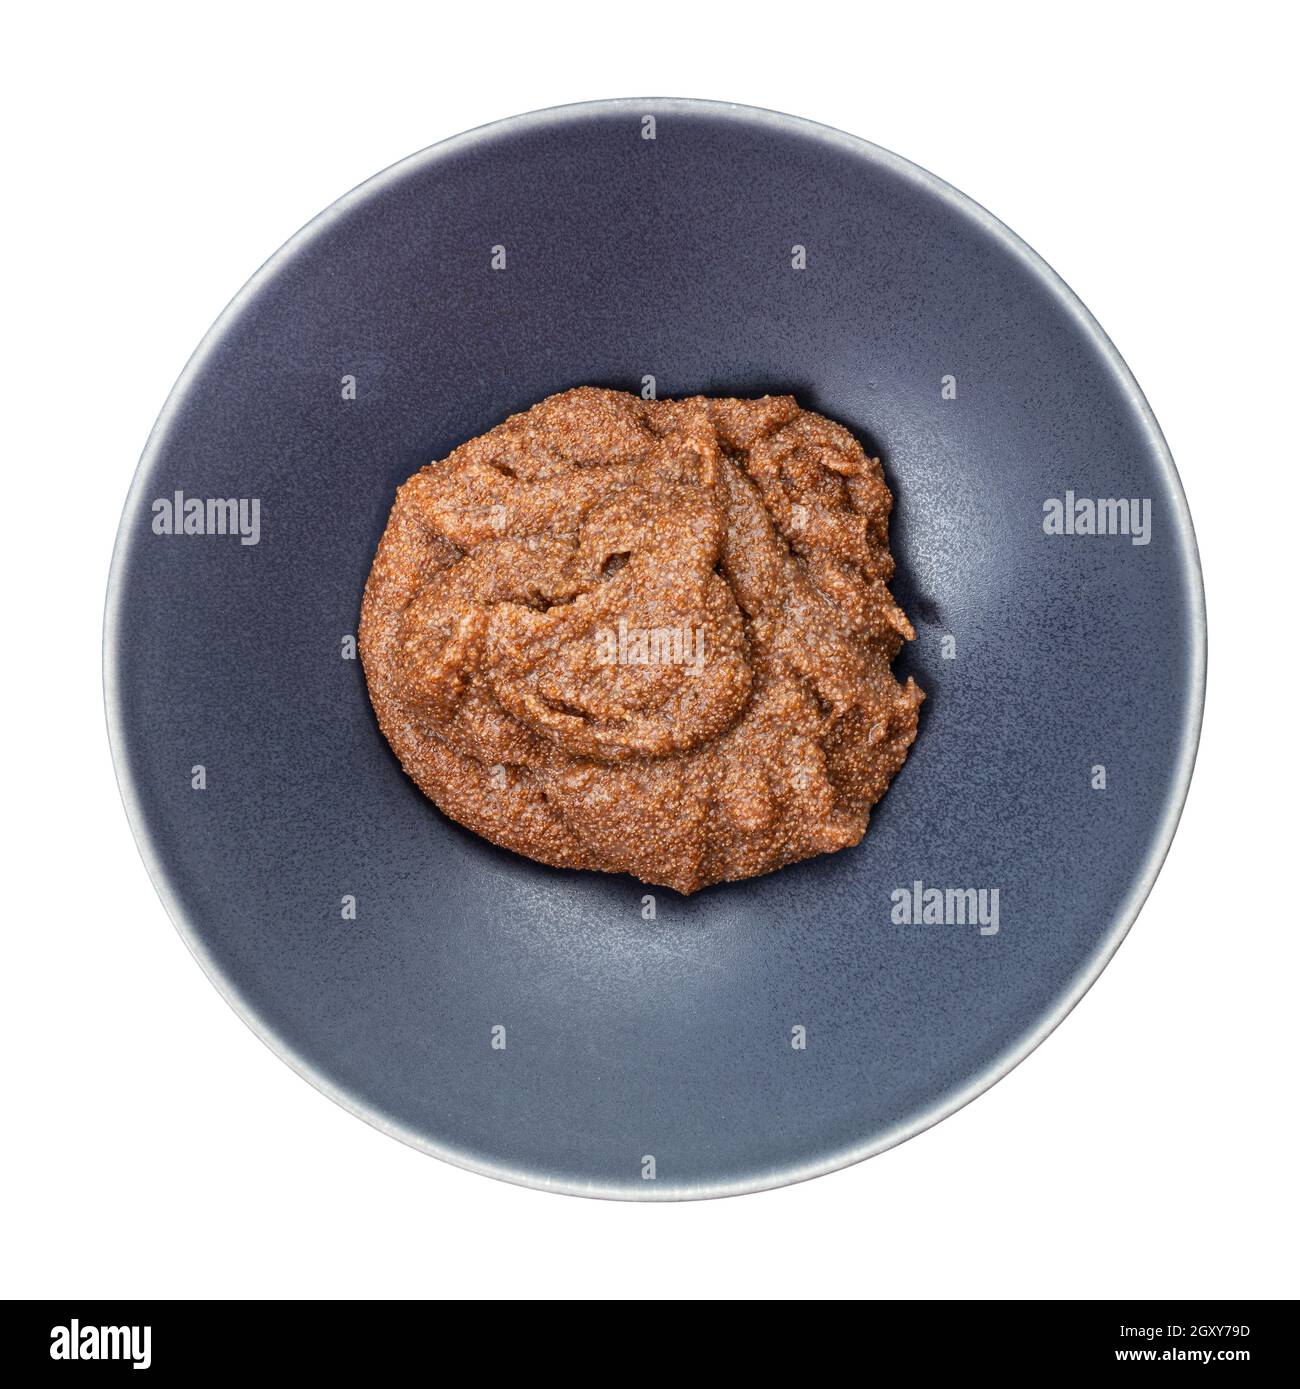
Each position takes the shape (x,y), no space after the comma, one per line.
(675,1037)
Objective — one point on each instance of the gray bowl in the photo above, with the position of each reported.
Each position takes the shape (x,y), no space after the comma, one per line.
(757,1033)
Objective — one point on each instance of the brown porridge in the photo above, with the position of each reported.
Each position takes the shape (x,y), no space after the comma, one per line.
(650,637)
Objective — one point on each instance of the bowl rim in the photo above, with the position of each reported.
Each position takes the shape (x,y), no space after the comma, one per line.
(1192,586)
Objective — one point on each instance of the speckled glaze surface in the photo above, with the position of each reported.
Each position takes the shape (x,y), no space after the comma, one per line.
(756,1033)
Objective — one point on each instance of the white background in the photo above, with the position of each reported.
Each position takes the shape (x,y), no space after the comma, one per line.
(154,156)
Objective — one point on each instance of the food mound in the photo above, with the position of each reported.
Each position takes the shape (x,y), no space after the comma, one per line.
(646,637)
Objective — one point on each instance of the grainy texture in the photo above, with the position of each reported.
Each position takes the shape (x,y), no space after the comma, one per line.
(650,637)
